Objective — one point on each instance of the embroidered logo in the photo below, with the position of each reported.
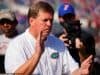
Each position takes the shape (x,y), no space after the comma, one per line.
(55,55)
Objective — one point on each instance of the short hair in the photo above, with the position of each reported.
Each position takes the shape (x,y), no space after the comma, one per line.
(36,7)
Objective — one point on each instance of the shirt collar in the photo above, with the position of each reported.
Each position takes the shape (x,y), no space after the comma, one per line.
(29,36)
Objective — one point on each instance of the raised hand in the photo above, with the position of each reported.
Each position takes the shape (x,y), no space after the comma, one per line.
(64,39)
(39,44)
(84,69)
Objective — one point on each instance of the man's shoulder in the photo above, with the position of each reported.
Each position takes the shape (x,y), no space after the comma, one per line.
(89,41)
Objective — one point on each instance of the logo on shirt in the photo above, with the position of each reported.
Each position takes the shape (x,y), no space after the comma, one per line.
(55,55)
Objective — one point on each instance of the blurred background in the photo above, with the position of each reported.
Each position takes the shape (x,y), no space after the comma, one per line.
(88,11)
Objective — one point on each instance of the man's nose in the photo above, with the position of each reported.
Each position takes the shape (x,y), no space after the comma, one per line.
(49,23)
(7,25)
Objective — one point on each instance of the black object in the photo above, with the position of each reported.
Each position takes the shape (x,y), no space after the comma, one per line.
(2,69)
(74,31)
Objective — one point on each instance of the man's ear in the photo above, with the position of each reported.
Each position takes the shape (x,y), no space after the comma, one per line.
(31,20)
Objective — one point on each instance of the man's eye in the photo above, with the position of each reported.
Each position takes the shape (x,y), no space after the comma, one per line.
(50,20)
(45,20)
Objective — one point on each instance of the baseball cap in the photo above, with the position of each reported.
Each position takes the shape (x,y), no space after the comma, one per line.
(8,15)
(65,8)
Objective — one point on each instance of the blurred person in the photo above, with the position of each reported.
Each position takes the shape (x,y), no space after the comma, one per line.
(22,23)
(72,28)
(36,51)
(80,43)
(8,23)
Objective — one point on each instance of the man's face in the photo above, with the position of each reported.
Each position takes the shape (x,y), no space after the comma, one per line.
(43,22)
(67,18)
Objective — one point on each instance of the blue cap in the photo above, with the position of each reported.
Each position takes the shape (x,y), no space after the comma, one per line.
(65,9)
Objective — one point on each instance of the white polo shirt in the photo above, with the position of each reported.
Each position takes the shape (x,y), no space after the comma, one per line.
(55,60)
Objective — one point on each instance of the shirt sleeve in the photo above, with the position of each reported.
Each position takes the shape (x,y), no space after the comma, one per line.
(69,63)
(13,58)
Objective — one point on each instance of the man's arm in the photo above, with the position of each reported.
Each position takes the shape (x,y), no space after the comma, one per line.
(29,66)
(84,69)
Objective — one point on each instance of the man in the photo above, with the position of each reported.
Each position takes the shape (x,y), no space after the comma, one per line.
(37,52)
(81,44)
(8,23)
